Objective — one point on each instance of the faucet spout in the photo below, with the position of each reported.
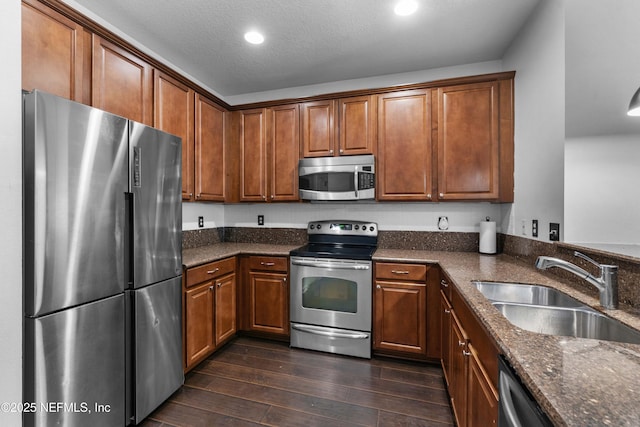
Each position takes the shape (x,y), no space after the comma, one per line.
(607,283)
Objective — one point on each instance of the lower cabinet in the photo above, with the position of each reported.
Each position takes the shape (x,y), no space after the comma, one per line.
(406,321)
(266,295)
(469,362)
(209,309)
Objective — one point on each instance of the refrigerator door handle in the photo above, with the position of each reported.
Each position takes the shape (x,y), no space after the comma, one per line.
(128,239)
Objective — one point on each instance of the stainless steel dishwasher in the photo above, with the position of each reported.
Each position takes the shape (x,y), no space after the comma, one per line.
(517,408)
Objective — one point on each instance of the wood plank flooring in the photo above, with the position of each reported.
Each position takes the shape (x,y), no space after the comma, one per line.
(252,382)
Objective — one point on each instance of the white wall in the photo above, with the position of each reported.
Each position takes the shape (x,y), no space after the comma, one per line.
(537,55)
(463,217)
(11,212)
(602,196)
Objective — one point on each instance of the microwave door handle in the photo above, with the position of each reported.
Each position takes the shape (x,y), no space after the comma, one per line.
(355,181)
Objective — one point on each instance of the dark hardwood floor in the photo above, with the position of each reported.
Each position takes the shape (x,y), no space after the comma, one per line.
(252,382)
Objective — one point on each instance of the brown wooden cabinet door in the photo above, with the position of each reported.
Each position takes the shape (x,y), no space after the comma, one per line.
(53,52)
(269,302)
(404,146)
(482,409)
(318,132)
(357,125)
(445,311)
(121,82)
(458,377)
(253,154)
(284,147)
(468,142)
(198,319)
(225,308)
(400,317)
(173,104)
(210,134)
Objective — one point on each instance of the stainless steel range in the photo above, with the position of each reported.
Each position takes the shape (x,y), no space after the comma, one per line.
(331,282)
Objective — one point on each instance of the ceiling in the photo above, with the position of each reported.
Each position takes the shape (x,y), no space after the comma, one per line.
(312,41)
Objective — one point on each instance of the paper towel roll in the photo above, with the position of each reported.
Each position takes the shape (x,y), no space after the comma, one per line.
(487,237)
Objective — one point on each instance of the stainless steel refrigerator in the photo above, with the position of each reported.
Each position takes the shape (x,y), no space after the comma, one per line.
(102,265)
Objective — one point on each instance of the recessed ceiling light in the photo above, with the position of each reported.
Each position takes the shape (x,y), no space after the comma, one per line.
(254,37)
(406,7)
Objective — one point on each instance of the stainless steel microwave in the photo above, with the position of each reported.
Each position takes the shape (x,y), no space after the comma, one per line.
(337,178)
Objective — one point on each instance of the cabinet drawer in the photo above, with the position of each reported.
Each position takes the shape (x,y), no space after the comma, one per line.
(268,263)
(210,271)
(416,272)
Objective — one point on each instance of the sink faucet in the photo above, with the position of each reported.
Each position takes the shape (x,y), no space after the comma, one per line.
(607,283)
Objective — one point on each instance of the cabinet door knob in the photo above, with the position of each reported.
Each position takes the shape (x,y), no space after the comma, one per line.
(461,343)
(211,287)
(219,285)
(466,353)
(444,283)
(378,287)
(447,311)
(330,151)
(428,196)
(441,195)
(284,280)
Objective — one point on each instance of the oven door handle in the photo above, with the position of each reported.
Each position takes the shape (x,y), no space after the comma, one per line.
(330,265)
(329,333)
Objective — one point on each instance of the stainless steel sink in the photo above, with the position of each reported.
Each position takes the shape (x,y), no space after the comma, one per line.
(525,294)
(580,322)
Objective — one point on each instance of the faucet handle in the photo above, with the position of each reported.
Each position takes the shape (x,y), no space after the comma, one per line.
(586,258)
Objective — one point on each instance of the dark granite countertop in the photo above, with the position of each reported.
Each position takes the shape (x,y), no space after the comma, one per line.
(202,255)
(578,382)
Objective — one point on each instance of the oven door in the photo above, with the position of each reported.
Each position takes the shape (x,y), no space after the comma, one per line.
(331,292)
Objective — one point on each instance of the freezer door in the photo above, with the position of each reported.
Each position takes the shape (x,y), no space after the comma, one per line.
(156,184)
(157,345)
(75,180)
(74,366)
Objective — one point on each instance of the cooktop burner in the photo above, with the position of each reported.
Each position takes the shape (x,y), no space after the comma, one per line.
(355,240)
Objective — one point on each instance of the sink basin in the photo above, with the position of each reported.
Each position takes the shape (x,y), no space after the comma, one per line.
(525,294)
(580,322)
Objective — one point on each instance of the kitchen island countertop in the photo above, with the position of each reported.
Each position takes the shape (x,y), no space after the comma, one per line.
(578,382)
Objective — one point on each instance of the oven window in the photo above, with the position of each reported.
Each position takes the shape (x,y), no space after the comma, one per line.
(330,293)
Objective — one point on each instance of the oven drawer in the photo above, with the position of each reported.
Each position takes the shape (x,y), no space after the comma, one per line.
(413,272)
(210,271)
(268,263)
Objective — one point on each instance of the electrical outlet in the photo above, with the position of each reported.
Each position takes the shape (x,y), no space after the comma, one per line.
(554,231)
(200,221)
(534,228)
(260,219)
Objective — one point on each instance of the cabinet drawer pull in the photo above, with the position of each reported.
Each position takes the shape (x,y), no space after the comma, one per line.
(399,271)
(466,353)
(444,283)
(215,270)
(268,264)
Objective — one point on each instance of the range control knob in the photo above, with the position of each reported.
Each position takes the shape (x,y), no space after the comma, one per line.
(357,227)
(371,228)
(312,226)
(319,226)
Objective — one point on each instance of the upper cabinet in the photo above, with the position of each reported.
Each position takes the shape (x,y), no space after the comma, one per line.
(404,146)
(468,142)
(173,105)
(269,151)
(283,152)
(210,135)
(344,126)
(318,132)
(121,82)
(55,52)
